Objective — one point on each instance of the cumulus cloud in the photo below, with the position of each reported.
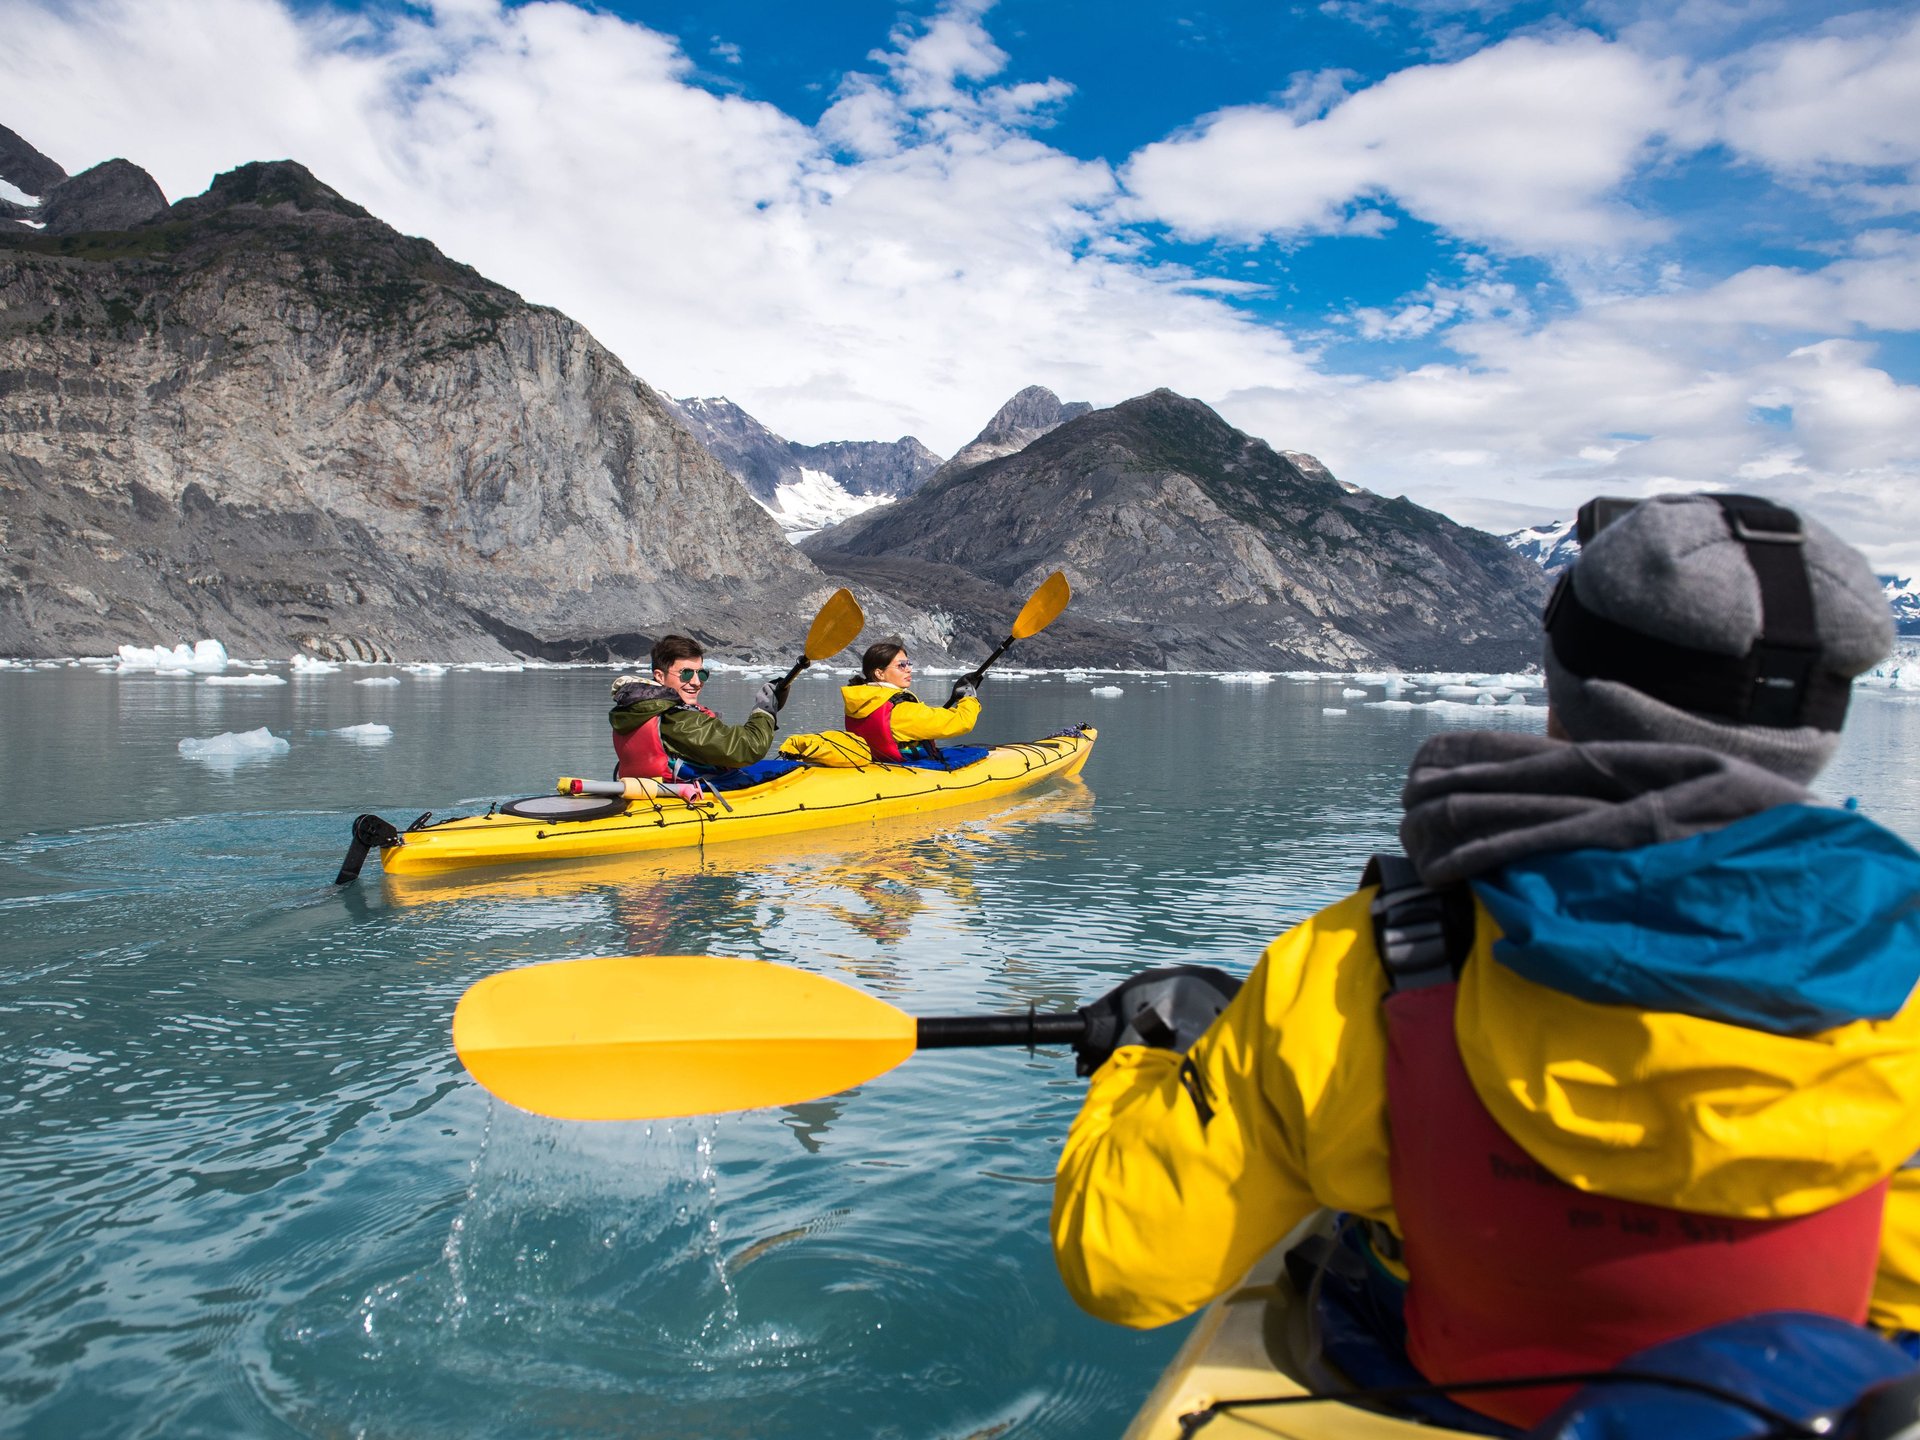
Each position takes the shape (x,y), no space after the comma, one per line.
(1522,146)
(1843,98)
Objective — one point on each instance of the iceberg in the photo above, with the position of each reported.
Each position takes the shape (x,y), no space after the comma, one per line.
(368,734)
(1106,690)
(252,679)
(234,746)
(379,680)
(308,665)
(1245,677)
(204,655)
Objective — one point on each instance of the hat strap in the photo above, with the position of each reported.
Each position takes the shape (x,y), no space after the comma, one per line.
(1778,683)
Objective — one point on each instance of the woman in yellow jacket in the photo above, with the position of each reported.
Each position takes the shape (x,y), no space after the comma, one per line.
(885,713)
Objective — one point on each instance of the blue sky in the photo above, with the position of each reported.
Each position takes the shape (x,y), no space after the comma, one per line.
(1494,257)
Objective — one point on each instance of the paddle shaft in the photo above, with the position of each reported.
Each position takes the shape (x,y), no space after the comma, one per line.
(946,1032)
(979,672)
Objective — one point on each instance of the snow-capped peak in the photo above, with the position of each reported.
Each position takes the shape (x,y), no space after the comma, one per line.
(1551,546)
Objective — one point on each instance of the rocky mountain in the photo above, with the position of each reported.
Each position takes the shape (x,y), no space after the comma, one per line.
(1208,546)
(1016,425)
(806,487)
(1903,594)
(36,195)
(264,415)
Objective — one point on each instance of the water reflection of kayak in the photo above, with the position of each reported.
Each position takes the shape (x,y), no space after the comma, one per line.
(805,797)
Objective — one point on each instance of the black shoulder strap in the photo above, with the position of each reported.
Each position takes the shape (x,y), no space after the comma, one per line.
(1422,935)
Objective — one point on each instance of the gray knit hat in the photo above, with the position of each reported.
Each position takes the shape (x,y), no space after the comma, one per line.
(1656,632)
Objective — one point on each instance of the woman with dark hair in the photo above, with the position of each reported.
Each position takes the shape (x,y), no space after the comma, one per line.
(885,713)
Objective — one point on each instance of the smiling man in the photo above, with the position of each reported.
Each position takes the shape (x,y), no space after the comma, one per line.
(659,724)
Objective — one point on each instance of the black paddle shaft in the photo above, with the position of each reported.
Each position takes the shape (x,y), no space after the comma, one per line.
(980,673)
(945,1032)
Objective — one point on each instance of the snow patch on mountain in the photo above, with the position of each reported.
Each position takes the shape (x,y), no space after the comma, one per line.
(1552,546)
(815,501)
(1903,594)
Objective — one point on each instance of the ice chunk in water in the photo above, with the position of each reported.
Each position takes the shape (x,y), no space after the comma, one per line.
(234,746)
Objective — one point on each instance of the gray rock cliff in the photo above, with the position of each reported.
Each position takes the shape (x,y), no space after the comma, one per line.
(265,416)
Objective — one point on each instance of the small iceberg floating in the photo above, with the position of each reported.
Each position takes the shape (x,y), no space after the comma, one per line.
(1106,690)
(368,734)
(379,680)
(234,746)
(205,656)
(257,678)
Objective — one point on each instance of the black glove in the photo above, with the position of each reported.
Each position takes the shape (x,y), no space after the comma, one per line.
(1168,1008)
(770,697)
(963,689)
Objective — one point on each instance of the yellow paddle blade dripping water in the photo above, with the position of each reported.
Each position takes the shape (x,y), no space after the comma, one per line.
(837,626)
(650,1037)
(1043,607)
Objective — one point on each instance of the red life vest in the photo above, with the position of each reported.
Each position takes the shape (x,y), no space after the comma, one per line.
(642,753)
(876,728)
(1515,1272)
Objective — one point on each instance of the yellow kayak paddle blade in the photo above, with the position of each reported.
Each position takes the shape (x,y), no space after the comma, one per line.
(837,626)
(1043,607)
(651,1037)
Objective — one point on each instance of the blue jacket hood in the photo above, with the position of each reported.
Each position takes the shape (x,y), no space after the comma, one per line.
(1794,920)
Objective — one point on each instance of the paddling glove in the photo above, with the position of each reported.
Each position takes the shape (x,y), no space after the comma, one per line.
(963,689)
(1167,1009)
(770,698)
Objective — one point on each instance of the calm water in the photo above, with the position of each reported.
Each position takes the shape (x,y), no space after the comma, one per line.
(246,1189)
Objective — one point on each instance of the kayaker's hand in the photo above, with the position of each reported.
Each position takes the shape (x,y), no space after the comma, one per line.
(770,698)
(1168,1009)
(963,689)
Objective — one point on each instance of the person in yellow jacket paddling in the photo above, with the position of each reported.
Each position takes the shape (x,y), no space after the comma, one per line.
(1647,1060)
(883,710)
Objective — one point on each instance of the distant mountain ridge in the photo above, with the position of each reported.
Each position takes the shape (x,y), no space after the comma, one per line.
(1206,544)
(263,415)
(806,487)
(111,196)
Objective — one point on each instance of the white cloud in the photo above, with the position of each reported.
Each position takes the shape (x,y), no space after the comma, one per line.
(1522,146)
(1844,98)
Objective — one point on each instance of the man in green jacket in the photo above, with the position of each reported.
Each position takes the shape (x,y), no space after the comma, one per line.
(657,724)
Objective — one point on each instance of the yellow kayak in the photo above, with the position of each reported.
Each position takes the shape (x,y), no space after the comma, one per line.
(1253,1343)
(883,862)
(809,797)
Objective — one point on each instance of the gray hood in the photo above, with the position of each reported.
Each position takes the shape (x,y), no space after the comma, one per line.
(1477,800)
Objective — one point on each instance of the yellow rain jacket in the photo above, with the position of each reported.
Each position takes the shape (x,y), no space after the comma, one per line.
(912,719)
(1155,1214)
